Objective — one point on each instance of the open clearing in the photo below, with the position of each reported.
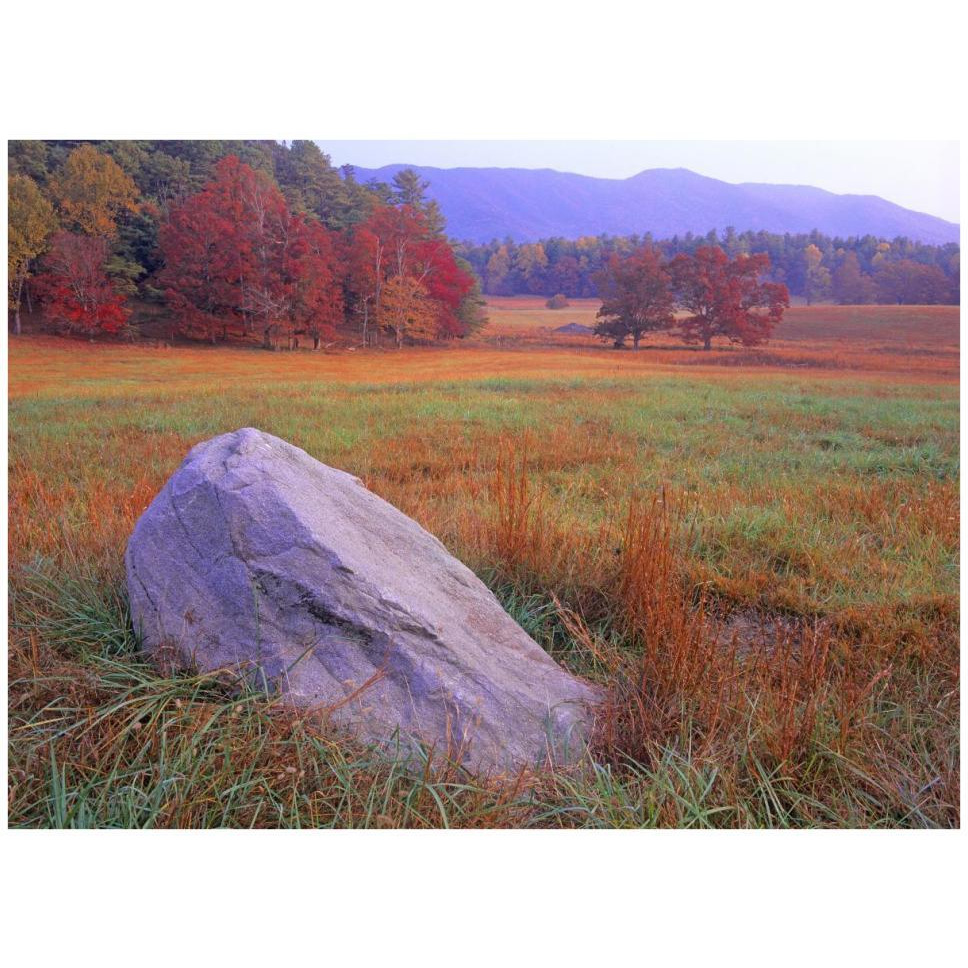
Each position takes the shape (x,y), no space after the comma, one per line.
(921,341)
(814,488)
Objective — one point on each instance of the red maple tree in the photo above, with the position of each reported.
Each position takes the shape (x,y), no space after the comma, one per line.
(636,297)
(446,284)
(239,263)
(75,288)
(363,276)
(311,280)
(725,297)
(204,266)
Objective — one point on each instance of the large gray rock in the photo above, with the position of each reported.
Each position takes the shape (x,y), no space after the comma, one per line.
(258,559)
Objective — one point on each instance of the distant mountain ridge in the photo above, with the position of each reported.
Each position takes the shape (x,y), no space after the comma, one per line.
(481,204)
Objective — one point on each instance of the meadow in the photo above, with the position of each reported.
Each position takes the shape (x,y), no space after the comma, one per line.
(755,551)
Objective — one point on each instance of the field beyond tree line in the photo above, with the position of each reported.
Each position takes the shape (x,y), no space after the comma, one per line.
(755,551)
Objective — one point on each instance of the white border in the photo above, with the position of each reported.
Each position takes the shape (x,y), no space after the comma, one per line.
(498,70)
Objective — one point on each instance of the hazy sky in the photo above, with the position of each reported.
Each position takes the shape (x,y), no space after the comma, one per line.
(922,175)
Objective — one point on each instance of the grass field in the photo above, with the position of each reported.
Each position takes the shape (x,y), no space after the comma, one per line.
(909,340)
(755,551)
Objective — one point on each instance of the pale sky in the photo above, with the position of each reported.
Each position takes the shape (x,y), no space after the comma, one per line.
(921,175)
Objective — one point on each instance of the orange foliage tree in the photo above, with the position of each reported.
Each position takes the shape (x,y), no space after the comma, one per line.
(406,310)
(91,191)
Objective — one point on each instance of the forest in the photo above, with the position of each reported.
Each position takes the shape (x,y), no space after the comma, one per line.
(267,242)
(813,266)
(233,241)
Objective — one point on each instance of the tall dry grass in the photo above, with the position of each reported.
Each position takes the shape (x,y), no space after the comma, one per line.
(748,697)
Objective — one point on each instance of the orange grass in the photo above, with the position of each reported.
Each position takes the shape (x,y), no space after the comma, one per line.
(922,340)
(905,343)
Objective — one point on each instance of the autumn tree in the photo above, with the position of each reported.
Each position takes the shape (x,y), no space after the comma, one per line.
(906,282)
(850,286)
(407,311)
(263,223)
(76,290)
(364,278)
(447,283)
(398,232)
(636,297)
(816,276)
(312,281)
(30,222)
(724,297)
(91,191)
(566,276)
(529,267)
(399,242)
(383,247)
(204,265)
(497,272)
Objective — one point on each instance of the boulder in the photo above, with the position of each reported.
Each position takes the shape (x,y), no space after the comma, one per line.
(257,559)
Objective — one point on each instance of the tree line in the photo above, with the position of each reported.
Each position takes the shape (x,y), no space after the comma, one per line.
(242,241)
(813,266)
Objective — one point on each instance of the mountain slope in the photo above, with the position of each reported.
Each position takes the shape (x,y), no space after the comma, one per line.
(481,204)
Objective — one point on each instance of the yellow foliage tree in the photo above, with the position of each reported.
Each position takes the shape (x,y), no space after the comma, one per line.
(30,221)
(91,191)
(817,283)
(530,262)
(407,311)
